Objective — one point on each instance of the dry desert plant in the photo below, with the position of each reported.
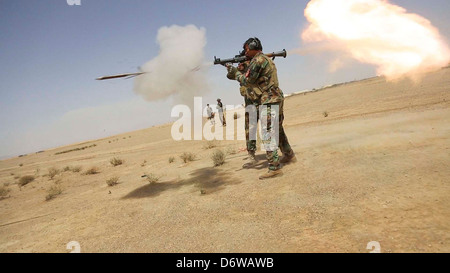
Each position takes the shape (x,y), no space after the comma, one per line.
(231,150)
(52,172)
(113,181)
(210,144)
(171,159)
(218,157)
(25,180)
(116,161)
(325,114)
(53,192)
(92,170)
(152,178)
(186,157)
(76,169)
(4,191)
(76,149)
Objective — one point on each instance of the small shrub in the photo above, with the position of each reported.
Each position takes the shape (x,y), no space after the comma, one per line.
(218,157)
(76,149)
(25,180)
(76,169)
(92,170)
(186,157)
(116,161)
(152,178)
(53,192)
(67,169)
(113,181)
(4,191)
(231,151)
(171,159)
(143,163)
(325,114)
(210,145)
(52,172)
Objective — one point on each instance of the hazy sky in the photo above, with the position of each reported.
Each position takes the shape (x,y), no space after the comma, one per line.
(51,53)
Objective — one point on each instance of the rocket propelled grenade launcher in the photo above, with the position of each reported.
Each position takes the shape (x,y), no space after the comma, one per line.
(243,58)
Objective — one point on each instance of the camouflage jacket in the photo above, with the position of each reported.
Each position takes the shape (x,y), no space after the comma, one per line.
(262,80)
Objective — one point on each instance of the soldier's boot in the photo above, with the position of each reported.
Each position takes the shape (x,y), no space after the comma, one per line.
(270,174)
(289,158)
(251,161)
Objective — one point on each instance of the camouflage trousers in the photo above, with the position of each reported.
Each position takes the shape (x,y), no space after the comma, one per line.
(273,134)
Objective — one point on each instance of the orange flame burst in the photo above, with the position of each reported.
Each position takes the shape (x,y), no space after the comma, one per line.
(378,33)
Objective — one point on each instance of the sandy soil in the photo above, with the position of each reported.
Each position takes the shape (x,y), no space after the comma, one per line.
(375,169)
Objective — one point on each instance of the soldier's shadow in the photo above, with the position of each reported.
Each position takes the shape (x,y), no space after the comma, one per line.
(262,162)
(207,180)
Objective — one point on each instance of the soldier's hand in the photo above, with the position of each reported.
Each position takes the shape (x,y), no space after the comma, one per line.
(231,71)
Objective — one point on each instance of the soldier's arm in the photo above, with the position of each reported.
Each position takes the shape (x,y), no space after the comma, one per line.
(253,73)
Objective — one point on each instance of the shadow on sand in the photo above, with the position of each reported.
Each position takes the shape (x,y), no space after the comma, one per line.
(209,180)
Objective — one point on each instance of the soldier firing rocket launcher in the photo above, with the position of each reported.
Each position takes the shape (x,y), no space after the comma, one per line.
(242,58)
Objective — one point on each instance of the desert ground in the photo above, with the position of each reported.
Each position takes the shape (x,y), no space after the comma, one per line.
(373,165)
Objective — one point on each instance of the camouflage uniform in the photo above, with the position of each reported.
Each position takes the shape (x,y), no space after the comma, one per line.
(261,81)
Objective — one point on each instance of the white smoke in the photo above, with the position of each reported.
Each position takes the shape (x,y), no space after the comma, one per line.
(374,32)
(175,71)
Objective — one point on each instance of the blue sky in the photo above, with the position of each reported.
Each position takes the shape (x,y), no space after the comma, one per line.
(51,53)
